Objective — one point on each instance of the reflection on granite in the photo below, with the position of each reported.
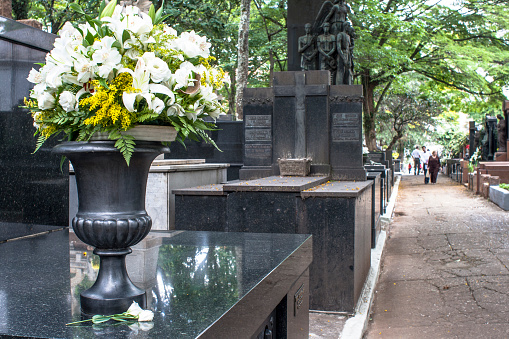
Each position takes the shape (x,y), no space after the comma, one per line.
(32,187)
(224,283)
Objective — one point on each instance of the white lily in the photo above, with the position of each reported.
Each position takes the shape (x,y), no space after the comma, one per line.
(143,88)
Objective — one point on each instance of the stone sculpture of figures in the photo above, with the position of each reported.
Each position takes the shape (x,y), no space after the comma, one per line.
(343,63)
(307,49)
(502,133)
(351,33)
(337,16)
(327,49)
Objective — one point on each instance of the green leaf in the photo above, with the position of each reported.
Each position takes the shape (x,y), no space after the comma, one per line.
(125,36)
(152,13)
(109,9)
(103,83)
(77,8)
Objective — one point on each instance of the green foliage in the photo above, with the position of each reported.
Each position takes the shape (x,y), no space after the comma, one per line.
(20,9)
(504,186)
(462,52)
(267,41)
(408,108)
(53,14)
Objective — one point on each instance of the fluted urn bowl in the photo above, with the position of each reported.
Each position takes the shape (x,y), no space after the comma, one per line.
(111,216)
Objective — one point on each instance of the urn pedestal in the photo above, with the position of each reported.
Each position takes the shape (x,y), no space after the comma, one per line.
(111,216)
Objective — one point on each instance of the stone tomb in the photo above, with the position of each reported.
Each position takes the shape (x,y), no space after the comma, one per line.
(337,214)
(303,117)
(377,206)
(199,284)
(33,189)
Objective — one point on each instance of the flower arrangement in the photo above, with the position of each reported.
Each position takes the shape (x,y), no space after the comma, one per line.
(123,69)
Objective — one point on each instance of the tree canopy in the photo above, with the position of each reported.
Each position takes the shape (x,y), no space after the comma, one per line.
(461,50)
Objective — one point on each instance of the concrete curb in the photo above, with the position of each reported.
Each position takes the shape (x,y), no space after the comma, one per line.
(356,326)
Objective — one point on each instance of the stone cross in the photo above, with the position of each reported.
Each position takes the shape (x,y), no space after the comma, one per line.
(293,84)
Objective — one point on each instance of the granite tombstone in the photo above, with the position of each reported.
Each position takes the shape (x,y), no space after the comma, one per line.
(32,187)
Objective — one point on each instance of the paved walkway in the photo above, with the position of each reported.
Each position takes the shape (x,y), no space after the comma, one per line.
(445,267)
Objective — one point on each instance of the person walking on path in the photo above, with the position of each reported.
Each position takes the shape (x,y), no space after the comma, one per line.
(409,168)
(434,166)
(416,155)
(424,159)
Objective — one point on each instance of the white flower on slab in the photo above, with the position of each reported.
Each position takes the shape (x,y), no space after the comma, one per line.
(134,309)
(68,101)
(145,315)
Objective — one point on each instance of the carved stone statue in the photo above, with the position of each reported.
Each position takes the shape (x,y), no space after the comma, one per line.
(343,64)
(327,48)
(337,14)
(502,133)
(351,33)
(307,50)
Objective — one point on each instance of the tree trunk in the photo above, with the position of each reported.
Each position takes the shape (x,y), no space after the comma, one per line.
(243,56)
(369,113)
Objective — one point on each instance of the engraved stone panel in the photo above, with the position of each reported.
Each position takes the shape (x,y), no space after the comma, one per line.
(345,134)
(258,135)
(258,121)
(258,151)
(345,119)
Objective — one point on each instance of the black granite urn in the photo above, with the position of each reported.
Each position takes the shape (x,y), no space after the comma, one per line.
(111,216)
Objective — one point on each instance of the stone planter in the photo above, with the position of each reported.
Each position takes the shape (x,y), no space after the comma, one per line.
(111,216)
(500,197)
(294,167)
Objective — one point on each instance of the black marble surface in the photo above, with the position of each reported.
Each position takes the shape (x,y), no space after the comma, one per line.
(32,187)
(10,231)
(337,213)
(219,285)
(228,136)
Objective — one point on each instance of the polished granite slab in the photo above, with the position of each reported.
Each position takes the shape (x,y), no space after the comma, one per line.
(199,284)
(11,231)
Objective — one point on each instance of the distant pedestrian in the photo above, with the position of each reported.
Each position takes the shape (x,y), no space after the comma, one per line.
(434,166)
(409,168)
(424,159)
(416,155)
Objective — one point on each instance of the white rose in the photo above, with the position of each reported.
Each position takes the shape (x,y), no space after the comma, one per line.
(146,315)
(159,70)
(134,309)
(67,101)
(46,101)
(157,105)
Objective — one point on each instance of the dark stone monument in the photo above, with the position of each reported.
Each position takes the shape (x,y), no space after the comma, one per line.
(377,207)
(471,138)
(505,110)
(200,284)
(502,133)
(228,136)
(338,215)
(489,141)
(32,187)
(288,122)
